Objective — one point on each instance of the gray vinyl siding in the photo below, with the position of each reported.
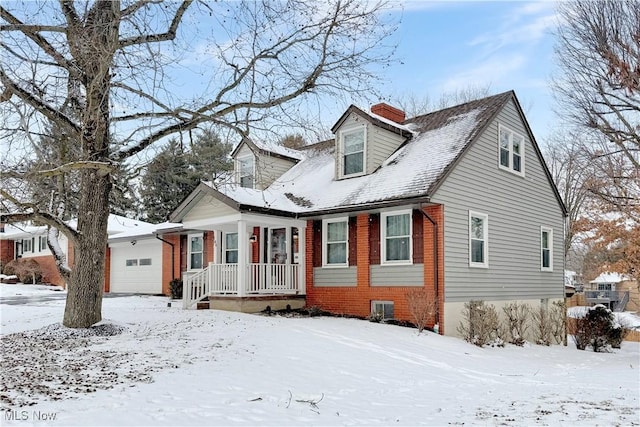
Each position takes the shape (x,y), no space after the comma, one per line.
(335,277)
(397,275)
(379,144)
(517,207)
(269,168)
(208,207)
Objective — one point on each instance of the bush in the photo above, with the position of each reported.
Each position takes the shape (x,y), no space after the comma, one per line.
(27,269)
(422,306)
(597,328)
(542,328)
(558,319)
(480,325)
(517,322)
(175,287)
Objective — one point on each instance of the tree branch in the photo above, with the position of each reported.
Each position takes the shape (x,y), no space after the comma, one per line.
(154,38)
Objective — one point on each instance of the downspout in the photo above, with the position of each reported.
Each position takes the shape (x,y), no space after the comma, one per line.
(173,273)
(436,271)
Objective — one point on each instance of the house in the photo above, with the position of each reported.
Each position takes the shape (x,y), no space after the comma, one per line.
(134,261)
(616,291)
(458,202)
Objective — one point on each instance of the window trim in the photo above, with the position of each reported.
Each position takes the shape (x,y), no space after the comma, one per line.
(240,159)
(383,237)
(225,249)
(189,237)
(341,149)
(485,232)
(325,242)
(42,243)
(509,167)
(549,230)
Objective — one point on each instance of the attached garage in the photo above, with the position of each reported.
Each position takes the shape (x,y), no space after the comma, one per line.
(136,266)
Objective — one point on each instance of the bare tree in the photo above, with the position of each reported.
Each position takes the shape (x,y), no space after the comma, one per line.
(598,51)
(102,71)
(414,105)
(570,170)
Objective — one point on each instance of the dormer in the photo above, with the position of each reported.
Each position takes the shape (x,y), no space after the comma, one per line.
(256,165)
(365,140)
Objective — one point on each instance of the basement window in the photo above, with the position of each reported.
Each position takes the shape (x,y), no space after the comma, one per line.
(382,310)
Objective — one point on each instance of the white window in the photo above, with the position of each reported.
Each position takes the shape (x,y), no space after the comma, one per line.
(246,168)
(478,240)
(546,248)
(132,262)
(42,243)
(396,241)
(382,310)
(145,261)
(196,251)
(336,242)
(511,150)
(27,245)
(231,248)
(352,151)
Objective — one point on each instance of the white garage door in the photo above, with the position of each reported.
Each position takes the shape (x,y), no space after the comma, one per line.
(136,268)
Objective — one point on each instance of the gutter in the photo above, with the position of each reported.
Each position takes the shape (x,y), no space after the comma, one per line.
(436,270)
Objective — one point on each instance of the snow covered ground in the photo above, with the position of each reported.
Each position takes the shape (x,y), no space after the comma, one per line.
(176,367)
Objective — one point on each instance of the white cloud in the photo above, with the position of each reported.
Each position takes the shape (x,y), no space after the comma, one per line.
(489,72)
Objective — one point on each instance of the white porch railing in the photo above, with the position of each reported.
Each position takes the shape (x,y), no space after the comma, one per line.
(195,288)
(273,278)
(222,279)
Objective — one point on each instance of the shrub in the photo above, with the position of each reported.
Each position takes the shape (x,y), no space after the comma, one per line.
(422,307)
(480,325)
(597,328)
(27,269)
(558,319)
(542,326)
(175,287)
(517,322)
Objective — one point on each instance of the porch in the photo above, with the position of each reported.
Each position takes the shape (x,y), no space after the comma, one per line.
(614,300)
(226,281)
(254,259)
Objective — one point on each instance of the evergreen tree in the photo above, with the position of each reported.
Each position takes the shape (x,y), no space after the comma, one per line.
(175,173)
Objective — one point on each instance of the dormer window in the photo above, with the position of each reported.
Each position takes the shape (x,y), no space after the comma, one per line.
(246,168)
(352,151)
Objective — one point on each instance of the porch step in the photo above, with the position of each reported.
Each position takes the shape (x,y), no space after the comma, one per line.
(203,305)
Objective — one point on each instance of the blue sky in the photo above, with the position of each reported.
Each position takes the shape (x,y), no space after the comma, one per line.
(448,45)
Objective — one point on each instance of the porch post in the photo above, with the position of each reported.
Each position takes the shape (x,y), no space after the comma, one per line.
(243,254)
(302,263)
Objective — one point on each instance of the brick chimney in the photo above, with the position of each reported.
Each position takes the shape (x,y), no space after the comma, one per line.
(388,112)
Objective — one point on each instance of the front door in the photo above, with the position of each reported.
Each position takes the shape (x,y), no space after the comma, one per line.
(278,245)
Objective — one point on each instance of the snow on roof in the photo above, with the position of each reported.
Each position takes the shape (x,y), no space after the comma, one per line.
(610,278)
(273,147)
(438,138)
(117,227)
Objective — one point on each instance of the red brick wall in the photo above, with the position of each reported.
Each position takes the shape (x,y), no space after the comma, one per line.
(356,300)
(208,247)
(6,251)
(50,272)
(254,247)
(167,275)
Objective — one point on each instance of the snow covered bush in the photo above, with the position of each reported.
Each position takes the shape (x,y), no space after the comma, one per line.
(27,269)
(517,322)
(175,286)
(480,324)
(422,306)
(596,327)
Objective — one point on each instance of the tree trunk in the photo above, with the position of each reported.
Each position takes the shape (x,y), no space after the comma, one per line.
(84,297)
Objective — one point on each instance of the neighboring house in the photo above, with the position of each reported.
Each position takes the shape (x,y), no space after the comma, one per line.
(134,261)
(458,202)
(614,290)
